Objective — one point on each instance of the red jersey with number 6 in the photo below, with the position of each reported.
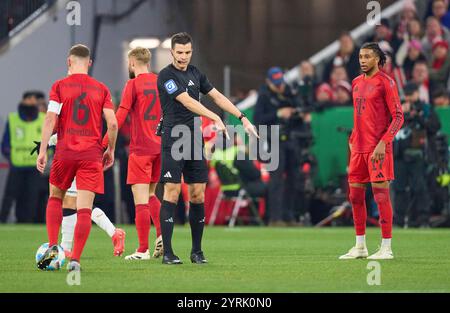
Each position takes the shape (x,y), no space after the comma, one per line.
(377,114)
(81,100)
(140,100)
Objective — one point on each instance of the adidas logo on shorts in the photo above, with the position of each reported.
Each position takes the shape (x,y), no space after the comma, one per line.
(168,175)
(170,220)
(191,83)
(380,175)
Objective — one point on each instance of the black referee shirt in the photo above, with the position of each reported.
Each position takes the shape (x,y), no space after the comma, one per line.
(171,83)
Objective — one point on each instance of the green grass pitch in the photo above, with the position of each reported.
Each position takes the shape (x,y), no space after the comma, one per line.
(241,260)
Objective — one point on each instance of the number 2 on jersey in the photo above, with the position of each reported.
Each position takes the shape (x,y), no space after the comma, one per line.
(147,115)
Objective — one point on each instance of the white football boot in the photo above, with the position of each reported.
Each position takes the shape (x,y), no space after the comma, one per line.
(383,253)
(139,256)
(357,252)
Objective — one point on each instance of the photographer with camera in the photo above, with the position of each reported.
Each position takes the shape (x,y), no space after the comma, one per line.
(277,105)
(413,150)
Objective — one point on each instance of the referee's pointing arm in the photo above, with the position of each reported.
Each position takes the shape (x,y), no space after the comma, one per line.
(194,106)
(229,107)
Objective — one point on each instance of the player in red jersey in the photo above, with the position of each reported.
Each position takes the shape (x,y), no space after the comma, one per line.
(76,103)
(378,117)
(140,100)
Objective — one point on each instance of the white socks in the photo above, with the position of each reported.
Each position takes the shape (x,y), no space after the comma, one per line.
(68,226)
(386,242)
(361,241)
(67,230)
(99,217)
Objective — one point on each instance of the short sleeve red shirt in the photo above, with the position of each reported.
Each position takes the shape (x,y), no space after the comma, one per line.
(82,100)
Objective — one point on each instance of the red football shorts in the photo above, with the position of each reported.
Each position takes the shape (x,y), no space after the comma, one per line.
(143,169)
(362,170)
(89,175)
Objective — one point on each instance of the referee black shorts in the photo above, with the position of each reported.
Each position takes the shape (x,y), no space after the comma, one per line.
(194,171)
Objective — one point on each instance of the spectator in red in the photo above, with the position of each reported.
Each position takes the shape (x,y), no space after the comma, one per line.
(343,94)
(439,64)
(434,31)
(324,93)
(337,74)
(346,56)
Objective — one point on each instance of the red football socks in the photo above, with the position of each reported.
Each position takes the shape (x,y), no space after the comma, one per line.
(358,201)
(54,216)
(142,225)
(155,207)
(381,196)
(82,230)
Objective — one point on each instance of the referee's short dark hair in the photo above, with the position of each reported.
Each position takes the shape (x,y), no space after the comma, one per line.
(181,38)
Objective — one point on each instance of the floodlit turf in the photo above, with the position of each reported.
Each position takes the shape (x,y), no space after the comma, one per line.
(241,260)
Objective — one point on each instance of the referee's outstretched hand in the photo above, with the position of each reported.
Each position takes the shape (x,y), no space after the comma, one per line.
(249,127)
(220,127)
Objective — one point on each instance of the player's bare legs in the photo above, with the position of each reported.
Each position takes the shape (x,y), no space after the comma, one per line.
(381,195)
(170,200)
(357,199)
(197,221)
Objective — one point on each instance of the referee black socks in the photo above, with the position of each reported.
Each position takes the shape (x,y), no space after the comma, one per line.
(167,223)
(197,222)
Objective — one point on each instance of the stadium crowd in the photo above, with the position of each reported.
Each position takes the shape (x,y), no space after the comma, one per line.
(417,47)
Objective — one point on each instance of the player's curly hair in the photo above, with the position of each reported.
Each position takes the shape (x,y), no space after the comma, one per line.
(376,48)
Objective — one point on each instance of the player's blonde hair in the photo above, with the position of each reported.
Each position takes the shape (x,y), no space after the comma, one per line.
(80,51)
(142,55)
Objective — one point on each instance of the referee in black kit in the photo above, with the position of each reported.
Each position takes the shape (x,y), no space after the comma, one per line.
(179,86)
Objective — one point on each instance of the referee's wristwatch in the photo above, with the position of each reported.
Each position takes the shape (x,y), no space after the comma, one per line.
(242,116)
